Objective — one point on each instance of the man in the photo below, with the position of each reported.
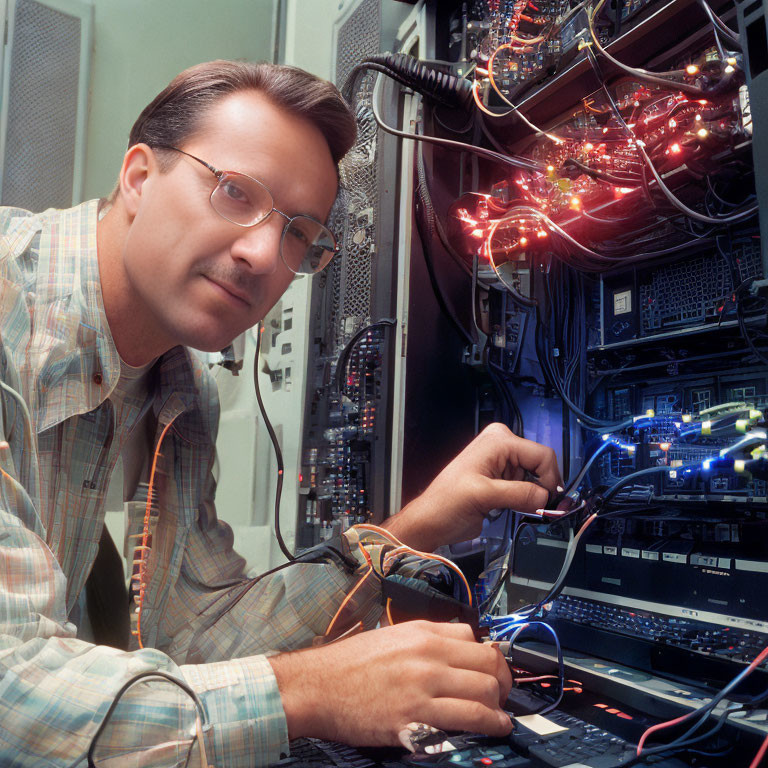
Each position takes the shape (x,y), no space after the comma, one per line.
(97,305)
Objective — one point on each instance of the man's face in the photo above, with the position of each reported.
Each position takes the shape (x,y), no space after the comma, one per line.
(200,279)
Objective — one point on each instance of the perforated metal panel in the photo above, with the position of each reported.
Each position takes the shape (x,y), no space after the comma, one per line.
(43,109)
(351,281)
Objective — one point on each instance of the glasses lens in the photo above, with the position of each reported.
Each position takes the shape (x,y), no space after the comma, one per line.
(241,199)
(307,245)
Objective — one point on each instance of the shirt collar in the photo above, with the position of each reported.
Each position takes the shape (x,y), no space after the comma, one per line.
(72,356)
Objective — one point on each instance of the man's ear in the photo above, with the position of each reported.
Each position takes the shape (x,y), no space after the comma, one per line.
(138,164)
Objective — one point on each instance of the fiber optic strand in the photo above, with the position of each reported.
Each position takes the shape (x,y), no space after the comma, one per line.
(139,578)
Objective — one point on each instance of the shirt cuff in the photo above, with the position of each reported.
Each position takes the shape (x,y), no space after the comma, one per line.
(242,703)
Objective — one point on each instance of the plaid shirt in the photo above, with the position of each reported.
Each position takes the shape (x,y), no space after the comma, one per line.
(202,621)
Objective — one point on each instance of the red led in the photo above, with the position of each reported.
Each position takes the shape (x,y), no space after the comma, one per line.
(486,761)
(624,716)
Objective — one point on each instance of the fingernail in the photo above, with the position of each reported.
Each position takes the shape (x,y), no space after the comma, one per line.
(560,489)
(505,720)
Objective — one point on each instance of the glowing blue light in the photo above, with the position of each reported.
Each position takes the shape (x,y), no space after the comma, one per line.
(707,464)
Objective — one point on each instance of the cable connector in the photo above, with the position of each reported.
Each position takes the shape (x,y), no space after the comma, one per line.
(443,87)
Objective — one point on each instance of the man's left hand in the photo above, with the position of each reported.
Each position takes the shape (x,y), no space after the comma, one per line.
(488,474)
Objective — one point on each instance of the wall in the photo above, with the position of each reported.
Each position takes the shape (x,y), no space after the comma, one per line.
(139,45)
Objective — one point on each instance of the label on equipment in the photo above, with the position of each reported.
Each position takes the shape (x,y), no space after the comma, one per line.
(541,726)
(622,302)
(630,552)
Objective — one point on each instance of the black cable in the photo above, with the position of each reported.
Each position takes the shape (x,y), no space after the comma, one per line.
(135,679)
(590,422)
(438,224)
(652,77)
(341,363)
(420,213)
(733,218)
(275,444)
(514,161)
(719,24)
(572,162)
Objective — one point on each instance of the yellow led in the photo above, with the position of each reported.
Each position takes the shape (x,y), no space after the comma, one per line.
(706,427)
(676,463)
(729,69)
(673,474)
(755,414)
(739,466)
(731,60)
(691,69)
(702,132)
(756,453)
(650,413)
(686,418)
(741,425)
(550,168)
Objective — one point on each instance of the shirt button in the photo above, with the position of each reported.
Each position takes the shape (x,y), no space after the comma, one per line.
(97,379)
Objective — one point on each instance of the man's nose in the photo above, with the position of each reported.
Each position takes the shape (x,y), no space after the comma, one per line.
(258,247)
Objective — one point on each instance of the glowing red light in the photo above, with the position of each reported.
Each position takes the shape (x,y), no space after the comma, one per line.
(541,233)
(575,201)
(675,148)
(301,478)
(523,241)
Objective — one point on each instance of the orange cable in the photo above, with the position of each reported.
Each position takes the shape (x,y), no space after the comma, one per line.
(144,548)
(389,612)
(439,558)
(347,599)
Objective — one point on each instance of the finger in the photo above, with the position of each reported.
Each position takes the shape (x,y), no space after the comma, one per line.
(469,685)
(455,630)
(504,676)
(517,452)
(477,657)
(461,715)
(537,458)
(515,494)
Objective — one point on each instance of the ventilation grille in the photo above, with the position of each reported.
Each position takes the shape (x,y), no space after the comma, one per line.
(39,158)
(351,280)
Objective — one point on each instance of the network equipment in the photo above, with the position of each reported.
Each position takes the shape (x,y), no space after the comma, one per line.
(586,219)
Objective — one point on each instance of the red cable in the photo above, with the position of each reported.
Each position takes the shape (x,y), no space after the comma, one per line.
(747,670)
(760,753)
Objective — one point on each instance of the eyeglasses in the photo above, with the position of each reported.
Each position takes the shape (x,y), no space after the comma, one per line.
(306,246)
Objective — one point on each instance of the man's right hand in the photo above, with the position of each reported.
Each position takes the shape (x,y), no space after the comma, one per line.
(365,689)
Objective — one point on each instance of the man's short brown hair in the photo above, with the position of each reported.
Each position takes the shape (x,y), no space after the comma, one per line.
(174,115)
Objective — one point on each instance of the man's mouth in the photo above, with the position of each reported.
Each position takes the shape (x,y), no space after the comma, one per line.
(231,291)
